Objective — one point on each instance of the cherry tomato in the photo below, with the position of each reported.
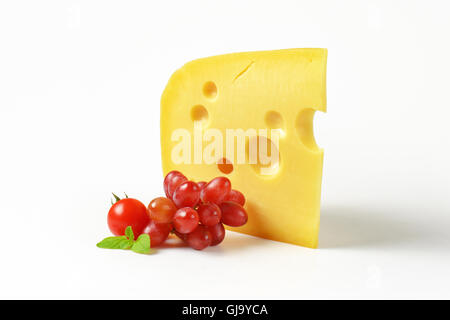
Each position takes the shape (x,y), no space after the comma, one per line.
(172,180)
(233,214)
(200,238)
(216,190)
(158,232)
(209,214)
(127,212)
(217,234)
(161,210)
(235,196)
(186,195)
(185,220)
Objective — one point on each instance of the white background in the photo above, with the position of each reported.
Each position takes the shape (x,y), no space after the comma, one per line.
(80,83)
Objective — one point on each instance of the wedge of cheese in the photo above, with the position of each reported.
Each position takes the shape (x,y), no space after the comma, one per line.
(274,90)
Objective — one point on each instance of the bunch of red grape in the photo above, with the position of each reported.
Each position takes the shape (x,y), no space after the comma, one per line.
(197,211)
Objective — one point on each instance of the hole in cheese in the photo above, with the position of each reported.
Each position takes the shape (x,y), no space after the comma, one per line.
(210,90)
(199,113)
(305,130)
(263,155)
(274,120)
(225,166)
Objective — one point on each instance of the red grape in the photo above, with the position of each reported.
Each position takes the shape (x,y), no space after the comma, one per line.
(172,180)
(158,232)
(209,214)
(185,220)
(182,236)
(201,184)
(161,210)
(200,238)
(233,214)
(235,196)
(216,190)
(186,195)
(167,179)
(217,234)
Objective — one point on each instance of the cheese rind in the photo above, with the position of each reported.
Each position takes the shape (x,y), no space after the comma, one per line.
(257,90)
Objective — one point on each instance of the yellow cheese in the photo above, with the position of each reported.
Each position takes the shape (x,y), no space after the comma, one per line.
(279,90)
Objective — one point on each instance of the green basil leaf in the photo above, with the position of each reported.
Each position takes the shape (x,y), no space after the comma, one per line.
(129,233)
(142,244)
(113,242)
(126,244)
